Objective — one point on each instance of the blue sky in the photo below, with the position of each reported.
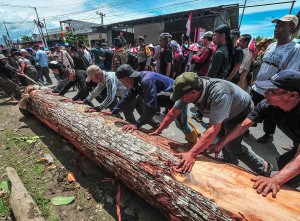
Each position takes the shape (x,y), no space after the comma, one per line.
(19,15)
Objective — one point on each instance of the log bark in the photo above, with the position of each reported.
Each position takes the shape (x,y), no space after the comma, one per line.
(212,191)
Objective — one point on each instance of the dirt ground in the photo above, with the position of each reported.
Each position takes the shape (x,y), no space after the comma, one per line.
(95,197)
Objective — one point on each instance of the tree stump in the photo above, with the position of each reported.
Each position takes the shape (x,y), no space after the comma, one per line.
(212,191)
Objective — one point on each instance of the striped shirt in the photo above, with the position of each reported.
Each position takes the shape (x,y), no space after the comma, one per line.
(114,88)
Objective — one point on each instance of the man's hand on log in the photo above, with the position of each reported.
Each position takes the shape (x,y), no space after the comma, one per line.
(90,110)
(129,127)
(155,133)
(78,102)
(265,185)
(109,113)
(214,148)
(186,163)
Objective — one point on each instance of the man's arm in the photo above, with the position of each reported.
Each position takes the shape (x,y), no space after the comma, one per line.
(215,65)
(97,91)
(264,185)
(111,94)
(240,129)
(188,159)
(169,118)
(200,59)
(168,70)
(234,71)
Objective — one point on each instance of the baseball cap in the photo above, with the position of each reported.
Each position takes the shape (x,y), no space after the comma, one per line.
(208,34)
(287,18)
(125,70)
(288,80)
(185,83)
(2,56)
(92,71)
(141,38)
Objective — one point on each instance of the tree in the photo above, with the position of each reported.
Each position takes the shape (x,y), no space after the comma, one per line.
(72,39)
(26,38)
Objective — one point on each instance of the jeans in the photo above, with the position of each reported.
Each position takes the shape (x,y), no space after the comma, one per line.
(181,121)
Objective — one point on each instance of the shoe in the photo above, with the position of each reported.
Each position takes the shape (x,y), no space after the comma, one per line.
(165,112)
(197,117)
(266,138)
(268,172)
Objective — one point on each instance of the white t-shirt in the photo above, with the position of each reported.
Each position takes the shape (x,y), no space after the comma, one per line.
(278,58)
(247,59)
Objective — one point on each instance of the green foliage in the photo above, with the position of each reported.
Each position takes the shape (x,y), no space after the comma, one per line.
(27,139)
(6,186)
(72,39)
(26,38)
(60,200)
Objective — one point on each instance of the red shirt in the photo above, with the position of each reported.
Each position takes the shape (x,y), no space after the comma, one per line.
(204,59)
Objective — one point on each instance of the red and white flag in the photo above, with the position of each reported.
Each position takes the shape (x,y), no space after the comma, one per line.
(189,25)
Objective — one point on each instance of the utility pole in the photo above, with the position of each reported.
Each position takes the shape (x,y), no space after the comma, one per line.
(40,25)
(292,7)
(9,40)
(242,14)
(46,30)
(102,15)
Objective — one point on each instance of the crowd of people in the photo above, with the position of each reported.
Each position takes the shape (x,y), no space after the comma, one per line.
(230,80)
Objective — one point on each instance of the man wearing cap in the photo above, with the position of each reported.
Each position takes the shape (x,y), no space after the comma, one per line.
(155,90)
(115,90)
(237,58)
(225,104)
(282,104)
(104,80)
(281,55)
(6,83)
(221,59)
(71,78)
(144,55)
(202,60)
(120,55)
(26,67)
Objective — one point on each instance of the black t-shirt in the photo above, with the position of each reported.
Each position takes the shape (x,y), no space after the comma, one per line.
(108,54)
(237,58)
(165,58)
(287,122)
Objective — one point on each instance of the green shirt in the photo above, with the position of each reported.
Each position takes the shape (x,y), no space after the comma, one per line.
(96,54)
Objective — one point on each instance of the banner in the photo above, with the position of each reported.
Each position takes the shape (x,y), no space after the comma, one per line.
(189,25)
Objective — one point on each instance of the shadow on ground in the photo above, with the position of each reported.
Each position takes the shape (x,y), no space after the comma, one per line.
(91,177)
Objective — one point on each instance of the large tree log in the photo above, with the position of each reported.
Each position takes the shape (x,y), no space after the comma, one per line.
(212,191)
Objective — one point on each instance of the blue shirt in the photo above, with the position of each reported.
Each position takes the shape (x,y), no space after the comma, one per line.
(42,58)
(148,85)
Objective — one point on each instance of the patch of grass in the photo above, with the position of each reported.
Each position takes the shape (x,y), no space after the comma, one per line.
(30,171)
